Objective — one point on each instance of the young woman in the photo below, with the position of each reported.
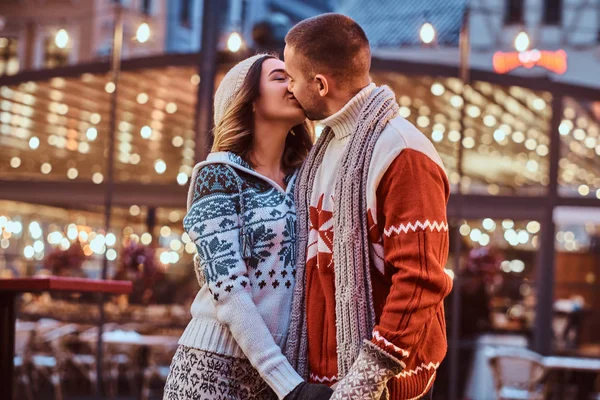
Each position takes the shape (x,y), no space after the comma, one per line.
(241,216)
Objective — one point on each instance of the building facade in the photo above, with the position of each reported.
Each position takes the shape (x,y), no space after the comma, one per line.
(569,25)
(241,16)
(46,34)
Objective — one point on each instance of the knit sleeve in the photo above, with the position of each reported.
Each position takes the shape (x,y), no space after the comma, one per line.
(411,203)
(213,223)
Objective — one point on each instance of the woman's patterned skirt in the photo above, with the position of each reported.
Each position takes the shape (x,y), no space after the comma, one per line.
(202,375)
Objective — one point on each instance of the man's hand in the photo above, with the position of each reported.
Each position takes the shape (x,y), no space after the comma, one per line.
(308,391)
(369,374)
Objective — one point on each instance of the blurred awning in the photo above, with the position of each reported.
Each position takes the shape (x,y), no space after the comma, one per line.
(54,129)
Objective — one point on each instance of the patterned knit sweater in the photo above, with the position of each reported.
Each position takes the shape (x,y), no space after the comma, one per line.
(408,233)
(247,254)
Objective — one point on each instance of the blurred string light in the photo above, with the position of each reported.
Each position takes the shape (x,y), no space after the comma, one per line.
(171,108)
(134,210)
(522,41)
(111,254)
(72,232)
(160,167)
(437,89)
(489,224)
(190,248)
(97,178)
(234,42)
(142,98)
(182,178)
(524,234)
(91,134)
(110,87)
(174,216)
(319,129)
(110,239)
(61,39)
(146,132)
(143,33)
(427,33)
(165,231)
(146,238)
(34,142)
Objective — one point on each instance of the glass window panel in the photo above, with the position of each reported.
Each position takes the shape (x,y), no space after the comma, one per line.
(58,129)
(54,55)
(30,234)
(506,141)
(9,60)
(496,298)
(576,319)
(54,130)
(579,165)
(155,129)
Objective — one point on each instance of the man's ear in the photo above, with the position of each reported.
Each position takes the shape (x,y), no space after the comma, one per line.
(322,85)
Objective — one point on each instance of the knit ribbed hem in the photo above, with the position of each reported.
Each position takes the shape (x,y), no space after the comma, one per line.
(343,122)
(413,386)
(210,335)
(283,379)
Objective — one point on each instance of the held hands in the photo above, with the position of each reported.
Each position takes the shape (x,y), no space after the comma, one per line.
(369,374)
(310,391)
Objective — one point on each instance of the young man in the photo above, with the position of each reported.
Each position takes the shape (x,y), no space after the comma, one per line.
(373,236)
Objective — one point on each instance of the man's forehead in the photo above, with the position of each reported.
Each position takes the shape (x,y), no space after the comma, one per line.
(292,58)
(289,53)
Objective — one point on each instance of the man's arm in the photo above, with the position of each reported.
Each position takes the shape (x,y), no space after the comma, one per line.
(411,208)
(412,198)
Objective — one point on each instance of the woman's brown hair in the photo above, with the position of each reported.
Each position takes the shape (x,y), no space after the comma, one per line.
(234,132)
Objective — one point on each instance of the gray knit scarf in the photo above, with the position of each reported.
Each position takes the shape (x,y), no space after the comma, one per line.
(354,310)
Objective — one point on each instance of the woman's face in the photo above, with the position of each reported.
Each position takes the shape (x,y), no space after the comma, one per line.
(275,102)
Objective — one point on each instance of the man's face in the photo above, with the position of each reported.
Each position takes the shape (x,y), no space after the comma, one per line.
(303,85)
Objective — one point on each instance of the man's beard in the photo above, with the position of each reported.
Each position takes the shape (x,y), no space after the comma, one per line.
(315,109)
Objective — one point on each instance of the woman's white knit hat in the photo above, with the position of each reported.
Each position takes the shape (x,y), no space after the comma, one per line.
(231,85)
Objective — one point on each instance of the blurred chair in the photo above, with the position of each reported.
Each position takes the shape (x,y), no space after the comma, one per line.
(159,364)
(21,360)
(123,359)
(49,355)
(518,373)
(115,358)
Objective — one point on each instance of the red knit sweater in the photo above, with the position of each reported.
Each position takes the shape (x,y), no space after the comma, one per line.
(408,232)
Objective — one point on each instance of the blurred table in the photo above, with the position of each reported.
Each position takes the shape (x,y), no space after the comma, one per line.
(10,288)
(588,350)
(119,337)
(572,363)
(559,366)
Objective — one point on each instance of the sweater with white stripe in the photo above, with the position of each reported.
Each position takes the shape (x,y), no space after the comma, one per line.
(407,191)
(243,309)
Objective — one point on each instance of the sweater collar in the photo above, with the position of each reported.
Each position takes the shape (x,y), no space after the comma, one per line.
(232,159)
(343,122)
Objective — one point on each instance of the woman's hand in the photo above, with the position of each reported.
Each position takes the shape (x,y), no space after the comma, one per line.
(308,391)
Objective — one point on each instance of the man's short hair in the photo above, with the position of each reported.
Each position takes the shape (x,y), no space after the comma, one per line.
(334,43)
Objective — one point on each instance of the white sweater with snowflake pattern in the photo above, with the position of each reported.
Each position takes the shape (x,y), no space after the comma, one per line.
(247,254)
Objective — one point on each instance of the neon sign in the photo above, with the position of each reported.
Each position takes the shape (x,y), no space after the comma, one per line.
(555,61)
